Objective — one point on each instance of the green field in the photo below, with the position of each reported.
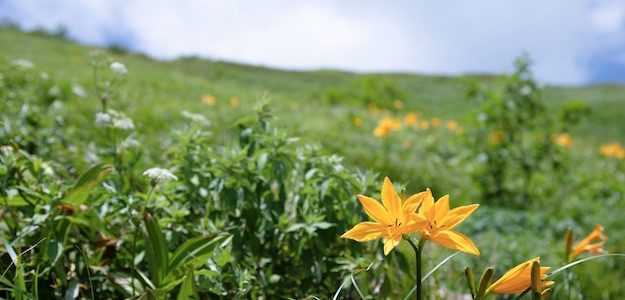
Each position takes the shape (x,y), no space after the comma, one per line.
(267,186)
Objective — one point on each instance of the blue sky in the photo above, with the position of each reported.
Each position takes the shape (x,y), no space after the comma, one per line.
(571,42)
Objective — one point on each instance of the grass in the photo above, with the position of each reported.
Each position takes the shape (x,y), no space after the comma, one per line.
(177,85)
(587,190)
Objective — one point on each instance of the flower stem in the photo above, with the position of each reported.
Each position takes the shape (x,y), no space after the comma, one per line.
(133,268)
(417,250)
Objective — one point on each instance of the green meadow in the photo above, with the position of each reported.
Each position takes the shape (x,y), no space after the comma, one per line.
(266,166)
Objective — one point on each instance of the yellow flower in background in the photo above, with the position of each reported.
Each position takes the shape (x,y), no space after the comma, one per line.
(398,104)
(518,279)
(614,150)
(381,131)
(452,126)
(234,101)
(424,125)
(442,221)
(497,137)
(435,122)
(358,121)
(563,140)
(209,99)
(393,219)
(411,119)
(592,243)
(386,126)
(373,108)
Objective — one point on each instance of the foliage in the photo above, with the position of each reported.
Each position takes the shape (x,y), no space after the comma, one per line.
(264,210)
(368,90)
(513,140)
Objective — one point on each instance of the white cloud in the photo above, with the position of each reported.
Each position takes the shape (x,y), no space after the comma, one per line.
(447,37)
(608,17)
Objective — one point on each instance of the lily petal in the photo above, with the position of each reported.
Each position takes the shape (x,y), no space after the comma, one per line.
(389,245)
(455,241)
(411,204)
(391,200)
(517,279)
(414,222)
(365,231)
(375,210)
(438,211)
(586,243)
(457,215)
(428,201)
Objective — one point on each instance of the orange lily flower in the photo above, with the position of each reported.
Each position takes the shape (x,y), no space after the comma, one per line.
(393,219)
(441,221)
(586,244)
(518,279)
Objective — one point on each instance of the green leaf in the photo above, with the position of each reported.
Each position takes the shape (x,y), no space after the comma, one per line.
(431,272)
(55,250)
(322,225)
(123,282)
(82,187)
(188,289)
(155,250)
(195,249)
(19,284)
(577,262)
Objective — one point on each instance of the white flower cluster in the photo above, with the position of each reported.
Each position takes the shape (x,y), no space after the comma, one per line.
(6,150)
(526,90)
(114,119)
(79,91)
(123,123)
(157,175)
(23,63)
(195,117)
(118,68)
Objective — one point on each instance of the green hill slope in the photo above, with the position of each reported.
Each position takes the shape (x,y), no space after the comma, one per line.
(158,90)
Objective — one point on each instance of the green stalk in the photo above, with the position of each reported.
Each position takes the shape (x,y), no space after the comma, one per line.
(418,249)
(134,241)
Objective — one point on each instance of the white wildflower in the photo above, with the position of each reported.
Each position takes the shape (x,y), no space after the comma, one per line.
(102,119)
(195,117)
(54,91)
(79,91)
(123,123)
(118,68)
(526,90)
(47,169)
(6,150)
(57,104)
(23,63)
(157,175)
(129,143)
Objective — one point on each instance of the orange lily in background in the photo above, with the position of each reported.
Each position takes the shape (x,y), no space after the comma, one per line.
(597,237)
(519,279)
(563,140)
(441,221)
(393,219)
(209,99)
(386,126)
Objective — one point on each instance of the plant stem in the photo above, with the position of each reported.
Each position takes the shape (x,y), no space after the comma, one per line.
(417,250)
(134,241)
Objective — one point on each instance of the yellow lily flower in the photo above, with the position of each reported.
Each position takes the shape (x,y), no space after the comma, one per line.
(441,221)
(393,219)
(563,140)
(586,244)
(518,279)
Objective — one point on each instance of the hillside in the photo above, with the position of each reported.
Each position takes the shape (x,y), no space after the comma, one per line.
(161,89)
